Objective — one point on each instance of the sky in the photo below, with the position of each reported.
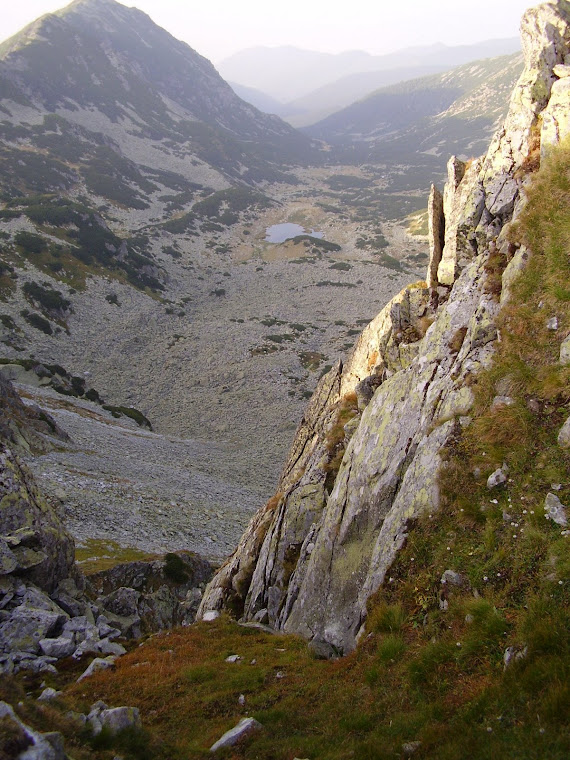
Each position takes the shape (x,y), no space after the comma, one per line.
(218,28)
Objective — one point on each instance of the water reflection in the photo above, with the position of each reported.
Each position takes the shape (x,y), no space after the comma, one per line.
(279,233)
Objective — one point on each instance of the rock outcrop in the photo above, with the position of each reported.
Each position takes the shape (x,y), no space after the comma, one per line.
(366,457)
(145,597)
(48,611)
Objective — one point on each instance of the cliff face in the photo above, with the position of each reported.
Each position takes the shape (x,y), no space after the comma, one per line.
(366,457)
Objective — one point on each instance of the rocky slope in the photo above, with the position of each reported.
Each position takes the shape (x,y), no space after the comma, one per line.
(366,458)
(47,610)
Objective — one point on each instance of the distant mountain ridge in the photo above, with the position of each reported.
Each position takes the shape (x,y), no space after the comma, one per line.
(288,73)
(454,112)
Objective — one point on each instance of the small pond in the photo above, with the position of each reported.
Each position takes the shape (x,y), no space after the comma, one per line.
(279,233)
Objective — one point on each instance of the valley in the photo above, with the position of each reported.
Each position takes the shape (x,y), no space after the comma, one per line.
(224,359)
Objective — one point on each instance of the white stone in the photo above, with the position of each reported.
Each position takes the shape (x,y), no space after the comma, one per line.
(497,478)
(554,509)
(246,727)
(210,616)
(98,664)
(564,435)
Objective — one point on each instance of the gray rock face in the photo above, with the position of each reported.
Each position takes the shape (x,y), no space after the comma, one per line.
(141,597)
(314,554)
(436,228)
(30,527)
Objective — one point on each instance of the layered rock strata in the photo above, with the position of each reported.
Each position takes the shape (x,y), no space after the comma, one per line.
(366,457)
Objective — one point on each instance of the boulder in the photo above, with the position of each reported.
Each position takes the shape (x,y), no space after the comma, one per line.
(244,729)
(26,627)
(63,646)
(555,510)
(564,435)
(98,664)
(115,719)
(497,478)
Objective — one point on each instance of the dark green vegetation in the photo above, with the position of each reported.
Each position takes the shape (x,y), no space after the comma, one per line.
(87,245)
(128,411)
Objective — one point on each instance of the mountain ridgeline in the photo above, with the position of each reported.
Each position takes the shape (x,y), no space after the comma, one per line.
(98,84)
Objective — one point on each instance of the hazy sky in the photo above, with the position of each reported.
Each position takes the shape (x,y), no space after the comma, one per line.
(217,28)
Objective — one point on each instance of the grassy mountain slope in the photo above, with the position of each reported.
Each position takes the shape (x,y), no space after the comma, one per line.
(439,115)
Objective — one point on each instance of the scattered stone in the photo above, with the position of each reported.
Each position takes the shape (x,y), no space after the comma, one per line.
(64,646)
(26,627)
(98,664)
(245,728)
(497,478)
(38,665)
(106,631)
(111,647)
(555,510)
(241,699)
(565,351)
(48,694)
(564,435)
(116,719)
(514,654)
(499,401)
(233,658)
(410,748)
(552,324)
(452,578)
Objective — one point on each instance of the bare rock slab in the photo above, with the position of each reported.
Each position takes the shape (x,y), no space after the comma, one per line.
(244,729)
